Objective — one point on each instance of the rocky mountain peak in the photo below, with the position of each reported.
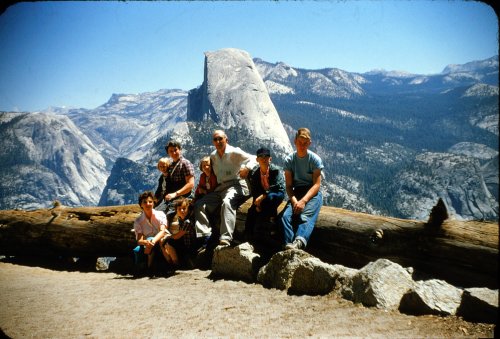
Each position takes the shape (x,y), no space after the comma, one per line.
(233,95)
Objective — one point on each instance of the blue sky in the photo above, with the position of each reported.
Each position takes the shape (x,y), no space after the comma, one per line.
(77,54)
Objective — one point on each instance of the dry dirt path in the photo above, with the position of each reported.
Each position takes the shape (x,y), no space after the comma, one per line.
(44,303)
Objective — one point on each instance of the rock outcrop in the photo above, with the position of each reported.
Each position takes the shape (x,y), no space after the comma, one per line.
(381,284)
(233,95)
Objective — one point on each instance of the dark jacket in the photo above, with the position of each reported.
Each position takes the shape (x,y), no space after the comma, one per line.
(276,181)
(160,192)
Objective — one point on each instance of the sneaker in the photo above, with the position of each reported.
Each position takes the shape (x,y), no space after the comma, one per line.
(224,243)
(297,244)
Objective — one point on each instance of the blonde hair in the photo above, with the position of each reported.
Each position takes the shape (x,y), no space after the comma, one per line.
(162,161)
(204,160)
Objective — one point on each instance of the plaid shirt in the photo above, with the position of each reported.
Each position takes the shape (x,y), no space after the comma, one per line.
(178,171)
(188,227)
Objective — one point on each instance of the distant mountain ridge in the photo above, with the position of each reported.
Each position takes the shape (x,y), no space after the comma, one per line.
(381,135)
(381,125)
(46,157)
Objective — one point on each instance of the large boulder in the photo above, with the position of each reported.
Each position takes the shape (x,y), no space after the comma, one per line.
(381,284)
(279,271)
(431,297)
(314,277)
(479,304)
(238,263)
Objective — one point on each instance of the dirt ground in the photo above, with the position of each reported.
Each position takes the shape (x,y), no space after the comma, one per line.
(51,303)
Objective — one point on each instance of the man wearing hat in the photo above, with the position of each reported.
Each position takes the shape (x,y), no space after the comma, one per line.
(268,191)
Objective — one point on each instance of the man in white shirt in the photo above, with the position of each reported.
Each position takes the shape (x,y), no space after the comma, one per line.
(231,166)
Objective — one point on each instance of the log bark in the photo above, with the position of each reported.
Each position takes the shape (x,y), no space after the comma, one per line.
(69,231)
(465,253)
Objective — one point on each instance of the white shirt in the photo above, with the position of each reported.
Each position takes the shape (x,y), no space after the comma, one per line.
(227,167)
(149,229)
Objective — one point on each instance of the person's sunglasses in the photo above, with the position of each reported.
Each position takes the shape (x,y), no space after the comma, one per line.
(218,138)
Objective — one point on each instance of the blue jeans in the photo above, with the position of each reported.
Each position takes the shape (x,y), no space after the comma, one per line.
(269,208)
(303,223)
(139,256)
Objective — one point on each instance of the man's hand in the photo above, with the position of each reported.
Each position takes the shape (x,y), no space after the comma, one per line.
(244,172)
(298,207)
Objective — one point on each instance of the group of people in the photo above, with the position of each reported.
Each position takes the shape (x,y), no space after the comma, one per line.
(176,223)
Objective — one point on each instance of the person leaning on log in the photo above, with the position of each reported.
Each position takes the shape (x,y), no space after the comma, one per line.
(150,229)
(161,190)
(303,180)
(268,191)
(180,179)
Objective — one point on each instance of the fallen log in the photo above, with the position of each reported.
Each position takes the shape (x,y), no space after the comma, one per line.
(465,253)
(69,231)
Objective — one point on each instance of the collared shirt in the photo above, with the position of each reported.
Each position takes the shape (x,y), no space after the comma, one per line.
(264,179)
(178,171)
(227,167)
(149,229)
(275,179)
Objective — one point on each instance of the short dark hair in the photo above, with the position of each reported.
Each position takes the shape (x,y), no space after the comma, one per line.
(182,201)
(144,195)
(173,143)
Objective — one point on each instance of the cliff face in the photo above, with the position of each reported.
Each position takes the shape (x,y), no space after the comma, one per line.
(233,94)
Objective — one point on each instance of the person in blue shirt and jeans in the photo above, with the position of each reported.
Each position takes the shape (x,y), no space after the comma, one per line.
(303,181)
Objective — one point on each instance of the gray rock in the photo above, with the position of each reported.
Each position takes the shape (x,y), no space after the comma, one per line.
(102,263)
(432,297)
(381,284)
(238,263)
(344,282)
(233,94)
(278,272)
(480,305)
(313,277)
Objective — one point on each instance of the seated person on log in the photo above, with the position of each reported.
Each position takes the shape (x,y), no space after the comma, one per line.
(303,180)
(180,244)
(161,190)
(207,181)
(150,227)
(231,166)
(267,186)
(180,180)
